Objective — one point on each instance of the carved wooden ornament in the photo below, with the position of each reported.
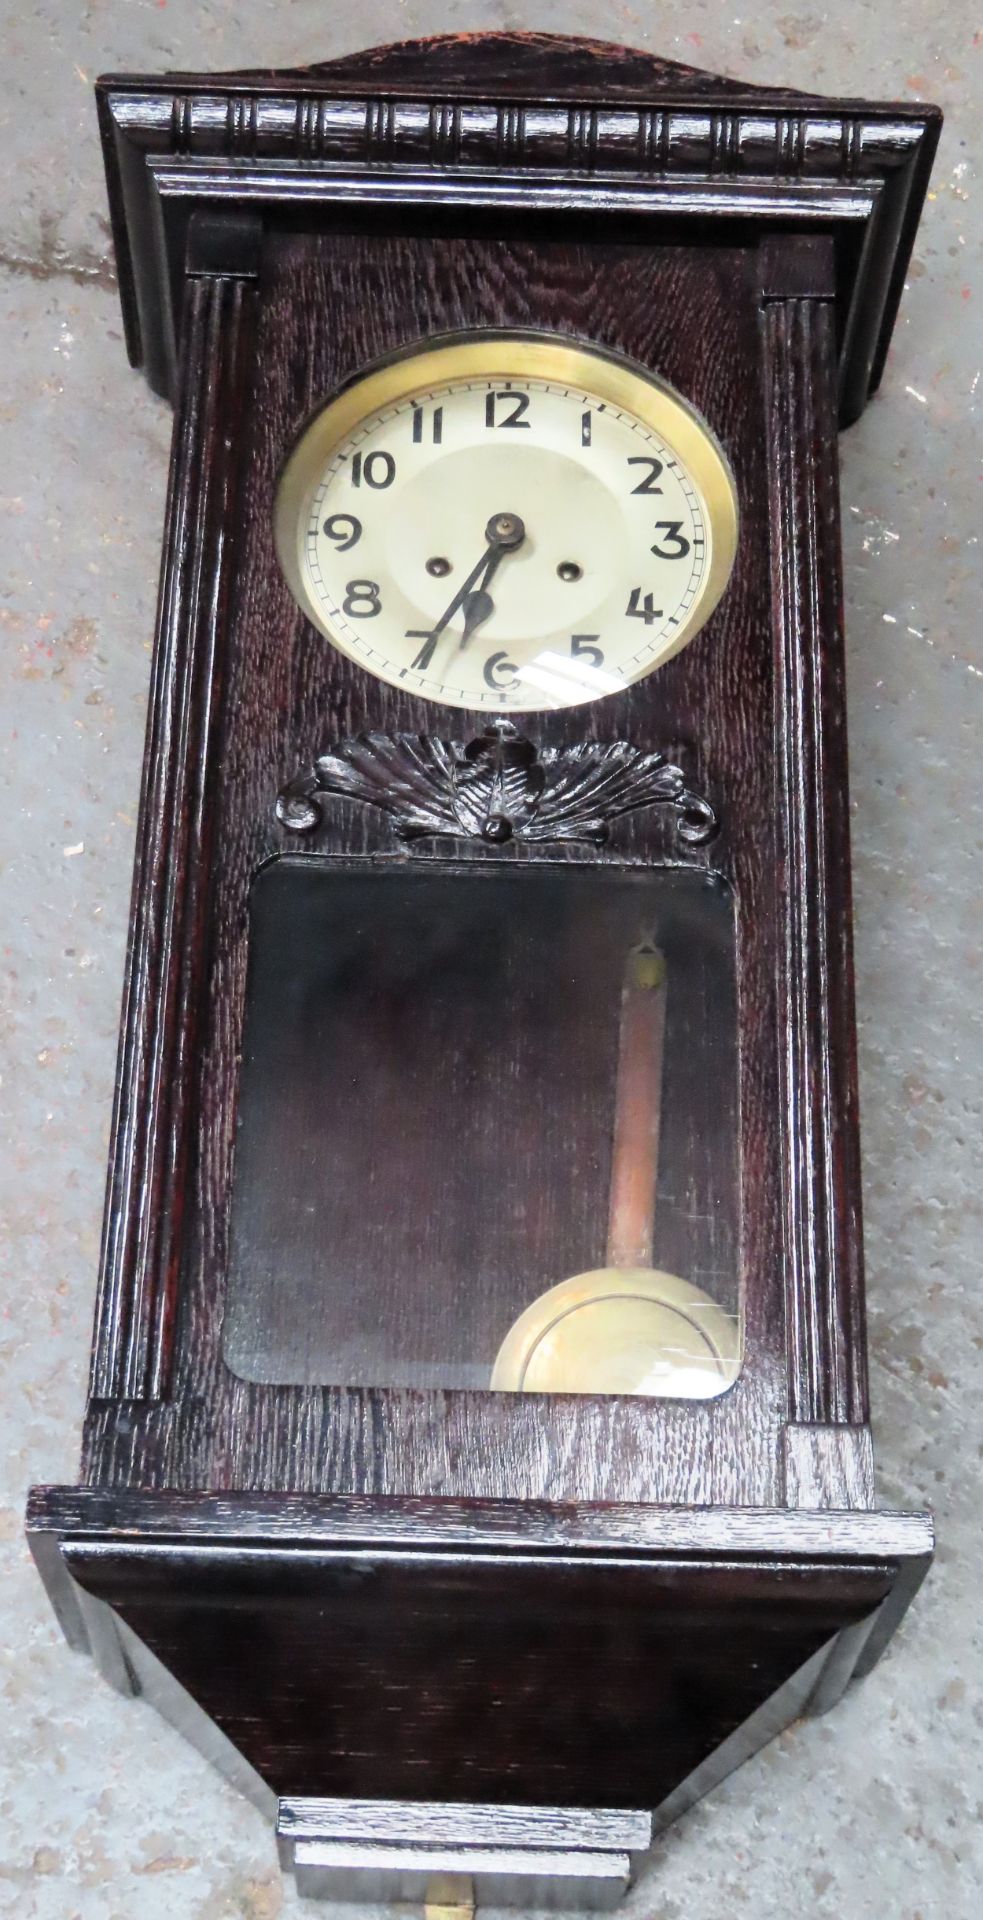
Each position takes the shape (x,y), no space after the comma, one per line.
(497,788)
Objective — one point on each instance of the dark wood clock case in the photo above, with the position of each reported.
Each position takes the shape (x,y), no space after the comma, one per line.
(445,1630)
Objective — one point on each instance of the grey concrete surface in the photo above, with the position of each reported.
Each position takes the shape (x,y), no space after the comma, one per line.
(104,1813)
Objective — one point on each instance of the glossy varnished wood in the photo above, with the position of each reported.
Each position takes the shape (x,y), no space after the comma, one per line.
(441,1595)
(694,319)
(514,127)
(824,1277)
(445,1523)
(603,1710)
(158,1066)
(553,1656)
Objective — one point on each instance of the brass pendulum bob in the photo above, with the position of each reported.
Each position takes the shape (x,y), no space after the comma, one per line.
(627,1327)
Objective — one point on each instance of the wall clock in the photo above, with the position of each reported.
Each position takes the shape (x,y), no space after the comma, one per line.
(477,1460)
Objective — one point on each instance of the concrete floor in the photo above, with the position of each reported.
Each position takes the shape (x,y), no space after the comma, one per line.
(104,1813)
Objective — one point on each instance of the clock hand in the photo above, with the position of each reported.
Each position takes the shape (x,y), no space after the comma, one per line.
(504,532)
(478,607)
(431,635)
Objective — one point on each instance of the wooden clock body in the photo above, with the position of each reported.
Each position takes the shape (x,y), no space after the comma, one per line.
(450,1630)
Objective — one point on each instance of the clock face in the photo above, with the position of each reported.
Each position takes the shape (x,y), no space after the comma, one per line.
(508,522)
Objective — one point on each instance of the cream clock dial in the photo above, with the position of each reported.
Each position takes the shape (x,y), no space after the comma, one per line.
(508,522)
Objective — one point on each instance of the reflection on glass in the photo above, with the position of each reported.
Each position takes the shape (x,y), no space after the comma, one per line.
(626,1327)
(487,1130)
(563,680)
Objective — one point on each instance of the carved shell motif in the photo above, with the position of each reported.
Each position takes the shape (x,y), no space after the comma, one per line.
(497,788)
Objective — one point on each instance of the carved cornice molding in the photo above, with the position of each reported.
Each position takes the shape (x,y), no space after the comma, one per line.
(525,125)
(770,139)
(496,788)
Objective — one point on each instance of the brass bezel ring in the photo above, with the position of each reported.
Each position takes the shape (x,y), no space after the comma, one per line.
(510,355)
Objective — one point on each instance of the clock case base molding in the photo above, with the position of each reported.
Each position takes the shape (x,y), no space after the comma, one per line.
(552,1612)
(214,1608)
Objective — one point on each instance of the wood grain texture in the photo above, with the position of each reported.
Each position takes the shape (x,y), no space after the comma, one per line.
(460,1824)
(158,1689)
(431,1594)
(635,1694)
(513,64)
(694,320)
(824,1271)
(637,1690)
(155,1100)
(829,1466)
(732,1534)
(564,119)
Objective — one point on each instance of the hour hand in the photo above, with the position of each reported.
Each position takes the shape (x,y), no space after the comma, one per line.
(503,534)
(478,607)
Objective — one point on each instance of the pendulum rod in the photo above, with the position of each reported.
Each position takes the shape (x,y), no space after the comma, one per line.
(638,1110)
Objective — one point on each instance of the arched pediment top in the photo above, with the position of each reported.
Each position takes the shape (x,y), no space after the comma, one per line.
(531,65)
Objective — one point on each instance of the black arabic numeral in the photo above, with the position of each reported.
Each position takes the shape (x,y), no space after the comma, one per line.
(344,530)
(583,647)
(366,591)
(642,609)
(377,469)
(519,402)
(676,544)
(585,429)
(498,668)
(648,482)
(436,425)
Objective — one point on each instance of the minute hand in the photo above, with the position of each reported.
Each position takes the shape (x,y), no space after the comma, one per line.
(504,532)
